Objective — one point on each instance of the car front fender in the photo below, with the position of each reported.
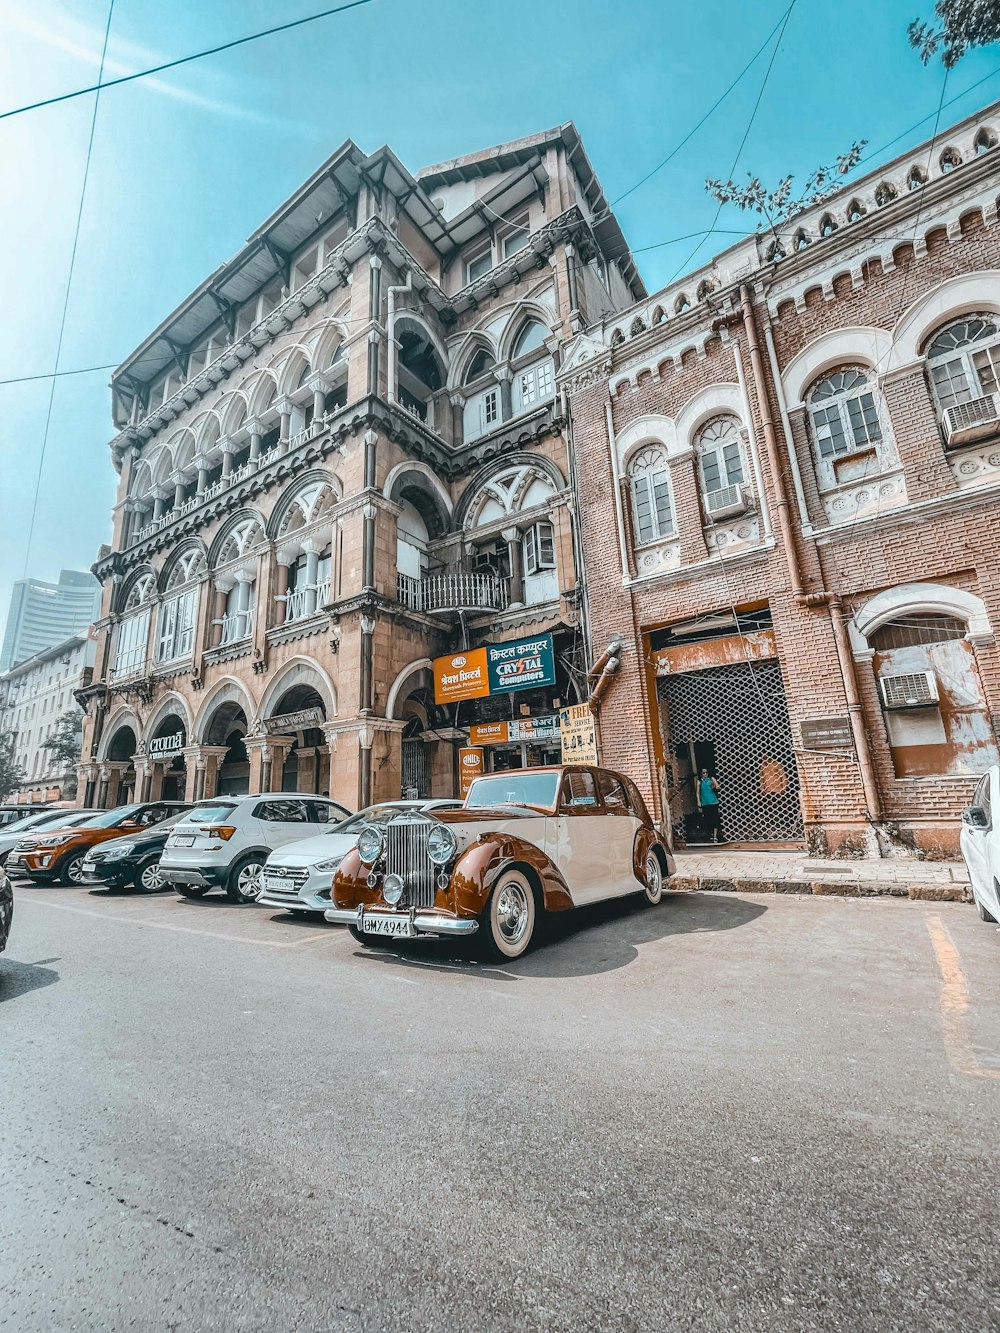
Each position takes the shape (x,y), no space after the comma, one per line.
(477,870)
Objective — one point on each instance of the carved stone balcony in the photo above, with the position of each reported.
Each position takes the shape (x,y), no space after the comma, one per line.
(442,593)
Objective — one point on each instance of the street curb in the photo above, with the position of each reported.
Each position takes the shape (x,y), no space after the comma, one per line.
(934,893)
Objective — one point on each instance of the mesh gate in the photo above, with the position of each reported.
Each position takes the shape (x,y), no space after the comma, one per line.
(416,784)
(732,721)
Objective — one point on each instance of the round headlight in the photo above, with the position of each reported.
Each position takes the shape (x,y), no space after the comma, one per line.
(441,844)
(392,888)
(370,844)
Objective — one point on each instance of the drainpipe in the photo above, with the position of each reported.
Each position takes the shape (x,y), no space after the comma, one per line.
(374,303)
(866,768)
(603,672)
(390,335)
(855,712)
(619,515)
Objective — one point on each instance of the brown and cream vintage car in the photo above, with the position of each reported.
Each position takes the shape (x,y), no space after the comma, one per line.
(525,842)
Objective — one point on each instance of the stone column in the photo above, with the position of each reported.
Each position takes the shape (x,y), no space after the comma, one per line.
(159,504)
(228,449)
(143,778)
(503,375)
(306,775)
(512,537)
(220,596)
(102,789)
(245,582)
(284,407)
(319,403)
(179,485)
(256,437)
(284,558)
(312,575)
(203,470)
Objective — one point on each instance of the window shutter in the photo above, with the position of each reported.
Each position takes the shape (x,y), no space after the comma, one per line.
(642,502)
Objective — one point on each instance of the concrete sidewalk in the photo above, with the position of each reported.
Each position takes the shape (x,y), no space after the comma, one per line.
(795,872)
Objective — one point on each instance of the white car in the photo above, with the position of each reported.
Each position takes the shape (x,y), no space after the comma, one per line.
(981,845)
(299,877)
(223,842)
(25,829)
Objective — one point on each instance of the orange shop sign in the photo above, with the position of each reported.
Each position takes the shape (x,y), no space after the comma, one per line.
(470,767)
(463,676)
(489,733)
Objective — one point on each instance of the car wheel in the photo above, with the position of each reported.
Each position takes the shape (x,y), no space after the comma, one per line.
(192,890)
(508,923)
(244,884)
(72,870)
(652,885)
(148,877)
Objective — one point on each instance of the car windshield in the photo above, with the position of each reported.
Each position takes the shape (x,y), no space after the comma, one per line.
(32,821)
(213,813)
(112,818)
(375,814)
(517,787)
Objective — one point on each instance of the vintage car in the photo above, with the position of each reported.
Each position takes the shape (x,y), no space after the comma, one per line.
(526,842)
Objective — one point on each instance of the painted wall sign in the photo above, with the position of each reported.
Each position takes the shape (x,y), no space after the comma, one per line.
(521,665)
(166,747)
(463,676)
(757,645)
(827,733)
(579,735)
(470,767)
(300,721)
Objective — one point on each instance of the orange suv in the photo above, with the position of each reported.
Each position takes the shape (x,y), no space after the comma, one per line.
(58,854)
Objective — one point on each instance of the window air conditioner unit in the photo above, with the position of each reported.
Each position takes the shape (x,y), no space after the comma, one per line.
(975,420)
(909,689)
(726,501)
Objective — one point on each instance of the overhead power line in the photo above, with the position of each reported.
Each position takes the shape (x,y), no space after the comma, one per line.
(182,60)
(69,288)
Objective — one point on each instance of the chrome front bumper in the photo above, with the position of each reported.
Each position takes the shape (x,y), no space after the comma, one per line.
(423,922)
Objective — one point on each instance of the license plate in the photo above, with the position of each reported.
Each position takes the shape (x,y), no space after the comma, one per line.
(380,923)
(14,863)
(87,864)
(279,883)
(183,841)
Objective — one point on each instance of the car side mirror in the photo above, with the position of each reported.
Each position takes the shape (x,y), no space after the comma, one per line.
(976,817)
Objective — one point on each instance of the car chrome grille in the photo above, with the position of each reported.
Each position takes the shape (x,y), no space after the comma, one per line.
(298,875)
(406,856)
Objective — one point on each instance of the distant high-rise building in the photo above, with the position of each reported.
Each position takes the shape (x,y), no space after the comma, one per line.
(43,614)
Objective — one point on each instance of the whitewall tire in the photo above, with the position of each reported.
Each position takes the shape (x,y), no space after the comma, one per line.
(508,924)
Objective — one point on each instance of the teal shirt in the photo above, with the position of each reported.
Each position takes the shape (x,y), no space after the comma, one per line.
(707,792)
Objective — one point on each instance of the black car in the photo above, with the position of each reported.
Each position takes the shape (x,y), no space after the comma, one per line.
(134,859)
(6,908)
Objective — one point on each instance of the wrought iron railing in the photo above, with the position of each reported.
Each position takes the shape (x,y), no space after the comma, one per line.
(452,592)
(237,625)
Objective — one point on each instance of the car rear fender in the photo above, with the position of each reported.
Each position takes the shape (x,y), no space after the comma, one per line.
(645,840)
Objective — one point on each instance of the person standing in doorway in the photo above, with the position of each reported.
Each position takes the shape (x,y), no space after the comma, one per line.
(708,804)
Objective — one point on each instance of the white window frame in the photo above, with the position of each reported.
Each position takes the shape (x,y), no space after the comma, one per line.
(536,384)
(649,481)
(518,238)
(539,546)
(131,643)
(839,404)
(716,448)
(964,358)
(473,259)
(175,629)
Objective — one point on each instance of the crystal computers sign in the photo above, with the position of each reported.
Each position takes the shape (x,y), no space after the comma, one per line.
(521,665)
(497,669)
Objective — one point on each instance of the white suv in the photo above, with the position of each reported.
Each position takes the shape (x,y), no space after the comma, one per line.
(223,842)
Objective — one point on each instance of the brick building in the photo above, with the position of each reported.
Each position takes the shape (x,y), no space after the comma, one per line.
(341,456)
(789,472)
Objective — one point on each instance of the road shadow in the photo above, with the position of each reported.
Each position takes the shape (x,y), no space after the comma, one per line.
(21,978)
(585,942)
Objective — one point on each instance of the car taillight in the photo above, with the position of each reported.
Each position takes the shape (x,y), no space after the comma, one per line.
(225,831)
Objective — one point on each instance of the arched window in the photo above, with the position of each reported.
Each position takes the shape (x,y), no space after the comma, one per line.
(534,383)
(720,456)
(964,360)
(649,482)
(844,417)
(478,366)
(531,337)
(483,406)
(884,194)
(133,629)
(775,252)
(827,227)
(915,179)
(855,212)
(950,159)
(801,239)
(984,141)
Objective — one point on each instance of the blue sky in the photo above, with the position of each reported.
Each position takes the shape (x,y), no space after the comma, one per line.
(187,165)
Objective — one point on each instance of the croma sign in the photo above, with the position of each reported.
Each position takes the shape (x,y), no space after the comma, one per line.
(166,747)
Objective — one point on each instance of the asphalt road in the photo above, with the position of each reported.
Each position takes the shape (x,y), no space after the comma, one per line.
(726,1113)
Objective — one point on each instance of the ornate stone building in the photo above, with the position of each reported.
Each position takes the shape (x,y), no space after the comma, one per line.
(343,455)
(789,475)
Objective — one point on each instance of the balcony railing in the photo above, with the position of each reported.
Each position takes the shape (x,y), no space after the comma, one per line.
(452,592)
(236,626)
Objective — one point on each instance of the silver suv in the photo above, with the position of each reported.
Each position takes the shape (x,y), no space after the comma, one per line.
(223,842)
